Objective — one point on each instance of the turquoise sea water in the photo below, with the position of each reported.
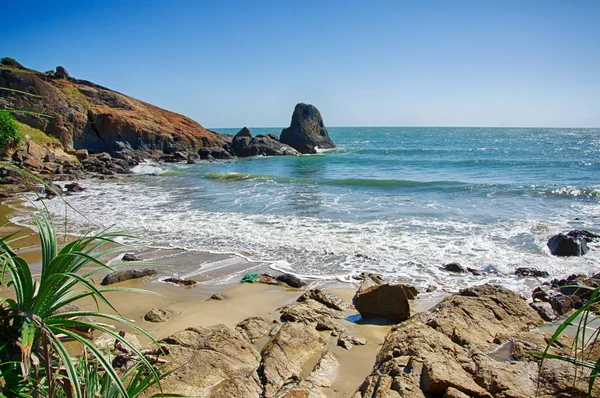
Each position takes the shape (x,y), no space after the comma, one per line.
(399,201)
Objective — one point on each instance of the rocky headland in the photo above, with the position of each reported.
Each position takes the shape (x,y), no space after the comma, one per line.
(75,128)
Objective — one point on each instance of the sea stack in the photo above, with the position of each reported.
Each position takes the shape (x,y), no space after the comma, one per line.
(307,131)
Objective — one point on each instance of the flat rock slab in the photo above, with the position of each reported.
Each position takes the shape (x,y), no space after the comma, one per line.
(214,361)
(255,328)
(311,311)
(286,353)
(327,299)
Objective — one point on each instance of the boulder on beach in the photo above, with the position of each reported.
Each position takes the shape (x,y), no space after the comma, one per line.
(472,344)
(374,300)
(290,280)
(130,257)
(157,315)
(180,281)
(121,276)
(307,131)
(313,312)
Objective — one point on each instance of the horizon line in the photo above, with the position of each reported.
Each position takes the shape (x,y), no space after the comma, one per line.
(391,126)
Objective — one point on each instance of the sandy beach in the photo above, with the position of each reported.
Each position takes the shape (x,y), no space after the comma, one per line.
(192,307)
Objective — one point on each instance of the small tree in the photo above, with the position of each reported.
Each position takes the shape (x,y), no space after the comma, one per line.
(10,137)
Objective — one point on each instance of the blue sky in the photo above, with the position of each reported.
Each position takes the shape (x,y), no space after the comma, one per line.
(362,63)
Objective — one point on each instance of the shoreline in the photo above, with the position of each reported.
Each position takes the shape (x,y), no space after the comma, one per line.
(192,307)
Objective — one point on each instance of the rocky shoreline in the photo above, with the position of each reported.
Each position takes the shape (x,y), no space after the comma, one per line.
(91,131)
(475,343)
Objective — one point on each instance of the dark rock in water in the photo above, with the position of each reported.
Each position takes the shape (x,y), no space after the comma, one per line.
(455,267)
(241,142)
(205,154)
(585,235)
(157,315)
(217,296)
(327,299)
(180,281)
(581,291)
(244,145)
(527,271)
(540,294)
(573,279)
(290,280)
(475,272)
(191,161)
(121,276)
(52,190)
(385,301)
(130,257)
(306,131)
(544,310)
(565,245)
(563,304)
(269,146)
(174,157)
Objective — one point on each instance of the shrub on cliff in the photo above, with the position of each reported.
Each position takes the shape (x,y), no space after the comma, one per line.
(10,62)
(10,137)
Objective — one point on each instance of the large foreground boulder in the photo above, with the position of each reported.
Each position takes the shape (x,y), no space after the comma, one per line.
(473,344)
(374,300)
(307,131)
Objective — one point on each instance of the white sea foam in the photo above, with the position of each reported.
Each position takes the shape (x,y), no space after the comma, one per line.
(410,248)
(149,168)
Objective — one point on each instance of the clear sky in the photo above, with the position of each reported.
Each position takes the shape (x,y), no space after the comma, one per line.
(362,63)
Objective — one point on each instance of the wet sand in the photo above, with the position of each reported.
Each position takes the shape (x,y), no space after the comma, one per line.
(191,306)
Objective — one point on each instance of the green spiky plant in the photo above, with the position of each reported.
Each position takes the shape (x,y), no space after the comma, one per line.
(584,341)
(34,360)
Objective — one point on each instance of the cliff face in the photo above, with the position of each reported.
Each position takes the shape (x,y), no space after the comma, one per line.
(88,116)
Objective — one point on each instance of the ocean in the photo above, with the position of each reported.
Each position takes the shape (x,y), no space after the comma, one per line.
(399,201)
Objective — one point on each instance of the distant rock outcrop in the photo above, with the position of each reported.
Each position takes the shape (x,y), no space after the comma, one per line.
(307,131)
(244,145)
